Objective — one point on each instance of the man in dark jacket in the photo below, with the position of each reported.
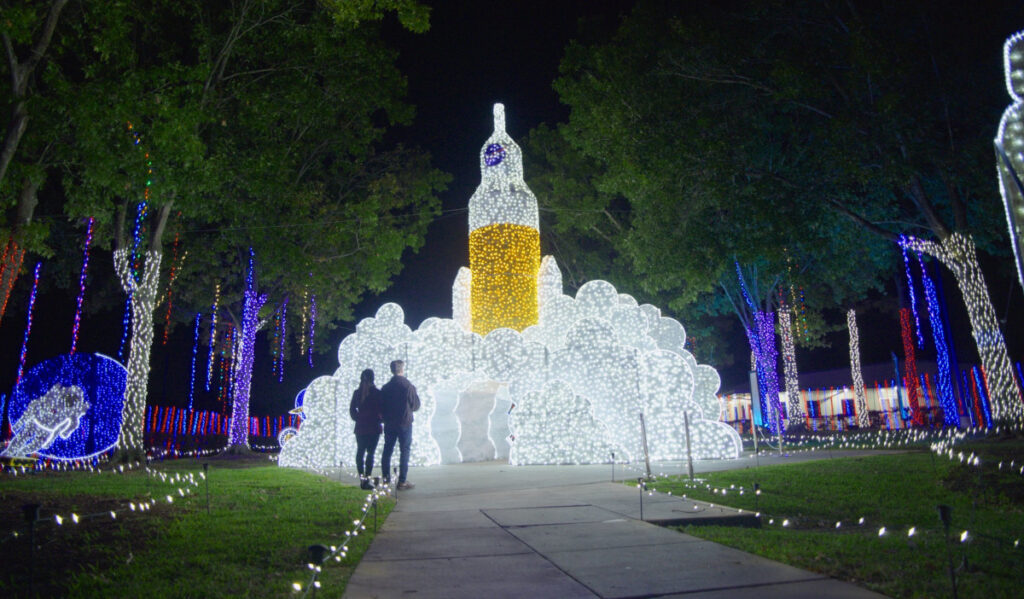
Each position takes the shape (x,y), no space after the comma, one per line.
(399,400)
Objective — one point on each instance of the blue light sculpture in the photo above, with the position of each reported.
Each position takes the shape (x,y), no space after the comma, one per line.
(68,408)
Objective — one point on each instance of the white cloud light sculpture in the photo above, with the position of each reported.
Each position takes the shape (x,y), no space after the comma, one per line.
(566,390)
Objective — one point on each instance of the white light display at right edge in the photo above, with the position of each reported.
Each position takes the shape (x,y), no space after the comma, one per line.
(1009,144)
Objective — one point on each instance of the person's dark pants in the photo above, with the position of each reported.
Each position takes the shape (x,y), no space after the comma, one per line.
(366,446)
(404,437)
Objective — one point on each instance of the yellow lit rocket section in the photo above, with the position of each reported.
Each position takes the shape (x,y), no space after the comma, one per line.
(504,239)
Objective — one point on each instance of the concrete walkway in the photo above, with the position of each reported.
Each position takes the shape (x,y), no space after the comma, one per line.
(493,530)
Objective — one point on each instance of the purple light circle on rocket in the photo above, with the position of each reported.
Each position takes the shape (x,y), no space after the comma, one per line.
(494,154)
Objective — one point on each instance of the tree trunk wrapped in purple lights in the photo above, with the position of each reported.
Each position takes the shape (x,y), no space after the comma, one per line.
(243,369)
(762,343)
(950,412)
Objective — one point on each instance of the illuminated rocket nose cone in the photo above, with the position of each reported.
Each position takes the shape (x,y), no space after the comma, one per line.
(502,196)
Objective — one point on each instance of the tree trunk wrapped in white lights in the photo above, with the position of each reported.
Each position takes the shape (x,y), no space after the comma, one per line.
(794,412)
(143,295)
(958,253)
(858,378)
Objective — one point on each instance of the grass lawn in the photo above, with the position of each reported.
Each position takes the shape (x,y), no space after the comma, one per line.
(253,543)
(896,491)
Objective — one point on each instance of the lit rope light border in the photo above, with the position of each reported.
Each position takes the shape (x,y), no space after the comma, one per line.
(81,285)
(946,399)
(28,325)
(195,352)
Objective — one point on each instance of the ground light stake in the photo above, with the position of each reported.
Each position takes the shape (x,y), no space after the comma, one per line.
(755,402)
(778,417)
(643,435)
(757,457)
(317,555)
(689,454)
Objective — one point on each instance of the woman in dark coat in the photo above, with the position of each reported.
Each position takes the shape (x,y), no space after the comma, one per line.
(365,410)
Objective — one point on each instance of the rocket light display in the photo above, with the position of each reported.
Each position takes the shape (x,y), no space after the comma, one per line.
(504,238)
(522,370)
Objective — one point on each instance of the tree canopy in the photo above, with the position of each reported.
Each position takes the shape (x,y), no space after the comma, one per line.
(778,133)
(258,124)
(252,128)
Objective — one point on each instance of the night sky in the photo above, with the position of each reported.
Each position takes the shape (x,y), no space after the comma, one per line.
(475,54)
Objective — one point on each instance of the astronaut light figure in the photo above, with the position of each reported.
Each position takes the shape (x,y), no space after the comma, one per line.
(1009,144)
(58,412)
